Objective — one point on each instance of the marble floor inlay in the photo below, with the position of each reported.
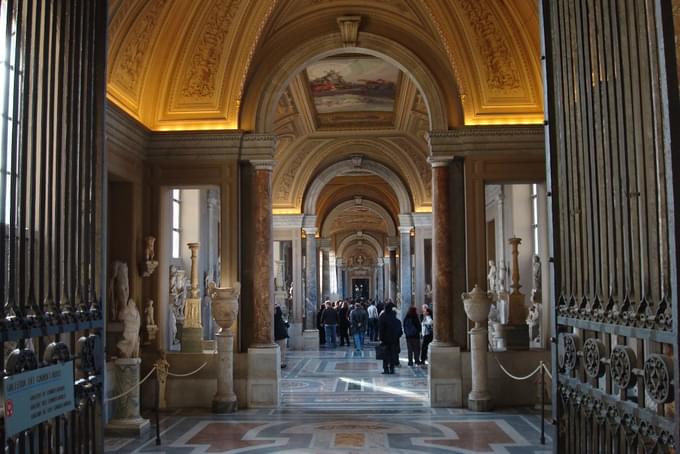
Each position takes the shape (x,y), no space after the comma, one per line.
(334,401)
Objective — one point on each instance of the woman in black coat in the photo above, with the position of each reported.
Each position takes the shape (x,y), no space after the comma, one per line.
(281,333)
(390,330)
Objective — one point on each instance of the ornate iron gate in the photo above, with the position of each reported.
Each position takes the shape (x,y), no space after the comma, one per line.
(612,101)
(52,88)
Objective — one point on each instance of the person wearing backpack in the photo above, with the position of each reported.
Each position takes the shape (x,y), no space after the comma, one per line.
(412,330)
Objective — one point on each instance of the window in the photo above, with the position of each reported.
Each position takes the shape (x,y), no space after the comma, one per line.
(7,123)
(176,206)
(534,217)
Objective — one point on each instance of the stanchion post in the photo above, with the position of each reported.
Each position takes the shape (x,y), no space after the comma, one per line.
(158,426)
(542,403)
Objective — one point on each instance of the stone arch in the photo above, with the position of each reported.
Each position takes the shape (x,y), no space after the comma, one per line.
(352,165)
(371,205)
(350,239)
(262,95)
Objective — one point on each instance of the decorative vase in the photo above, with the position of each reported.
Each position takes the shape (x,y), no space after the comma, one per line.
(224,304)
(477,305)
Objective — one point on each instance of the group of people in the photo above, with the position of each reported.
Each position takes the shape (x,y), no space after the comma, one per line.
(378,322)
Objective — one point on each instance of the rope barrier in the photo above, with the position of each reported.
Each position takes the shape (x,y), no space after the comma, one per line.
(514,377)
(139,383)
(547,371)
(136,385)
(190,373)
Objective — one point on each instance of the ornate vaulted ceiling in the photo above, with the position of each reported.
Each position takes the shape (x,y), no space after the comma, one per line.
(185,64)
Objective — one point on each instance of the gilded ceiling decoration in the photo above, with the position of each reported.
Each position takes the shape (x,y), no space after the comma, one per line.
(183,64)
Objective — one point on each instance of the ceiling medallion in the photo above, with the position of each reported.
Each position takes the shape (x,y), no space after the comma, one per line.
(349,30)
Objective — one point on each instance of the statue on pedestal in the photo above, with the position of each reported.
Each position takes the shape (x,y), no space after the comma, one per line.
(149,318)
(149,265)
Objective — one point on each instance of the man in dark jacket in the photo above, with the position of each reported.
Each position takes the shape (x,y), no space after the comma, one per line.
(389,327)
(329,318)
(319,325)
(359,321)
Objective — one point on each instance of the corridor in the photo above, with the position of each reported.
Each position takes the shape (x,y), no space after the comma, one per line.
(333,401)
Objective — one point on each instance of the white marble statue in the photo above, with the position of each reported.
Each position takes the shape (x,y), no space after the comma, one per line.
(128,346)
(536,274)
(172,325)
(149,265)
(491,277)
(502,278)
(148,313)
(149,253)
(533,320)
(428,294)
(178,293)
(119,288)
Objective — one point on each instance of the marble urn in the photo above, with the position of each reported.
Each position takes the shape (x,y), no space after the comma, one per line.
(224,304)
(477,305)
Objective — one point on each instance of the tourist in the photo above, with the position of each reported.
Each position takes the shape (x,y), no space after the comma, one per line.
(412,328)
(372,322)
(319,324)
(390,332)
(427,334)
(281,333)
(329,319)
(359,321)
(343,323)
(381,306)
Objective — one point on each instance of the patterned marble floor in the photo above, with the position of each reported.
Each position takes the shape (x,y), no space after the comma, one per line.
(336,401)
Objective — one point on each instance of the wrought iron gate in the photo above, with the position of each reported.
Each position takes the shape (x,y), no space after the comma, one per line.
(52,88)
(614,150)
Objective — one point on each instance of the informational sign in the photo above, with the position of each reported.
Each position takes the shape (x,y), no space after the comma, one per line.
(37,395)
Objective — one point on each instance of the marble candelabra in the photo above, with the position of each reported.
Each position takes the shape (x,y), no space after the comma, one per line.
(192,331)
(225,310)
(477,305)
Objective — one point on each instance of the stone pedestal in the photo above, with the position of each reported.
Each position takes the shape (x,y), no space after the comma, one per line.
(225,399)
(192,331)
(444,378)
(310,339)
(516,336)
(126,418)
(263,376)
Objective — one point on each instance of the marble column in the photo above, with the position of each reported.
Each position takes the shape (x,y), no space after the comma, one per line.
(339,266)
(311,334)
(405,278)
(444,373)
(326,272)
(381,286)
(419,268)
(393,273)
(263,355)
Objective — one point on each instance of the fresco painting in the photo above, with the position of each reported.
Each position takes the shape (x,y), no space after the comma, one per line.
(353,84)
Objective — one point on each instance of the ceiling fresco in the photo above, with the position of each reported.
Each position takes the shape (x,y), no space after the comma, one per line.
(353,89)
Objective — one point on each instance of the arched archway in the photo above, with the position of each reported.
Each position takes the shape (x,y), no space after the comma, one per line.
(374,207)
(264,91)
(352,165)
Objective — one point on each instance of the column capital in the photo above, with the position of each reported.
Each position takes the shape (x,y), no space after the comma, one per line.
(310,231)
(404,229)
(339,262)
(263,164)
(325,244)
(405,220)
(440,161)
(258,147)
(381,262)
(466,140)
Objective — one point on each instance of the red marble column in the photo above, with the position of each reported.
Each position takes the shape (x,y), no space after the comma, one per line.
(441,256)
(263,273)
